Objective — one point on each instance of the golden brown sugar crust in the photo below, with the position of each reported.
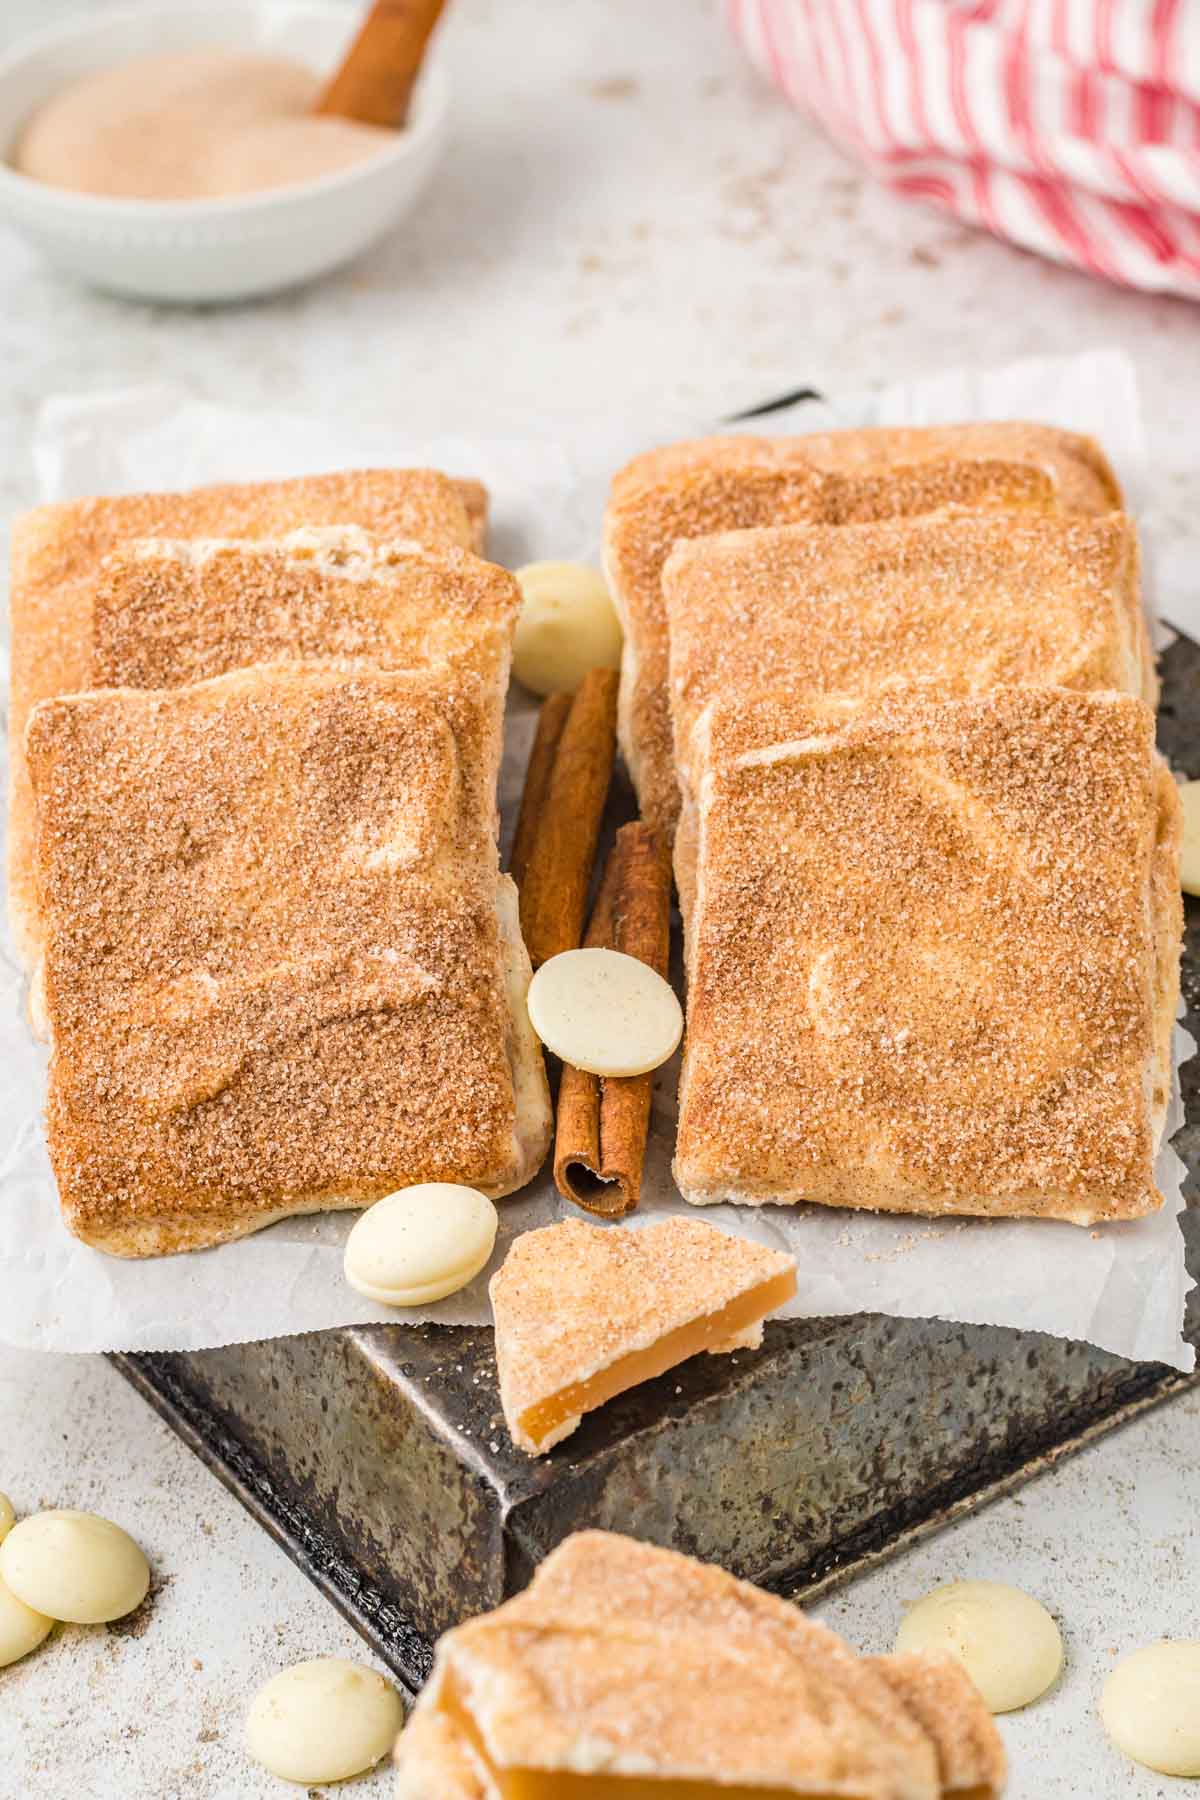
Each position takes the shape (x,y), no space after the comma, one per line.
(571,1299)
(57,551)
(974,600)
(474,497)
(622,1658)
(717,484)
(641,526)
(1166,909)
(273,973)
(600,1579)
(168,612)
(433,1761)
(978,600)
(944,1701)
(1081,474)
(929,965)
(633,1700)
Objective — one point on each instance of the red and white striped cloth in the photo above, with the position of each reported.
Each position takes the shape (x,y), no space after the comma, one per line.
(1070,126)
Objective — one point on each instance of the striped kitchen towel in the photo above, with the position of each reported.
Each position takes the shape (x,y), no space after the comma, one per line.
(1071,127)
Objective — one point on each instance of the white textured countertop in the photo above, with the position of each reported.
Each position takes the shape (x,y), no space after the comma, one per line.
(626,221)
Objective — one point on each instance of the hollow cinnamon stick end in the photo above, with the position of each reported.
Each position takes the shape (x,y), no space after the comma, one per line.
(606,1197)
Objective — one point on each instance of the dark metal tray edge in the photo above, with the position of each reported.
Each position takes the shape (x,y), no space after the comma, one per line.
(375,1617)
(382,1624)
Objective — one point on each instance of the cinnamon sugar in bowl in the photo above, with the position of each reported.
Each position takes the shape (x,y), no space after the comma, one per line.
(220,247)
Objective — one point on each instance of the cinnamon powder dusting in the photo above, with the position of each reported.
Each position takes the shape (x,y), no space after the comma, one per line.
(273,971)
(975,600)
(715,484)
(932,958)
(56,555)
(625,1660)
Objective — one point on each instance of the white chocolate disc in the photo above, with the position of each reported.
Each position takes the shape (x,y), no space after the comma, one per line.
(323,1720)
(421,1243)
(605,1012)
(74,1566)
(21,1628)
(567,625)
(1150,1707)
(7,1515)
(1189,860)
(1005,1639)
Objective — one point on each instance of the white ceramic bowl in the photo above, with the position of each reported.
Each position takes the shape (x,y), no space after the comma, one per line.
(209,250)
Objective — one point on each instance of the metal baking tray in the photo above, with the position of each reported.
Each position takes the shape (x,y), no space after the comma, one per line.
(378,1458)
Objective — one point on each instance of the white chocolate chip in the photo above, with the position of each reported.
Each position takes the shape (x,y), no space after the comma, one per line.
(1189,860)
(1150,1707)
(1005,1639)
(605,1012)
(74,1566)
(323,1720)
(420,1244)
(21,1628)
(567,626)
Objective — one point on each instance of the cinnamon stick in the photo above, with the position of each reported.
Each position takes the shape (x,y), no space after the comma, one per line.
(551,719)
(577,1120)
(603,1122)
(379,72)
(558,870)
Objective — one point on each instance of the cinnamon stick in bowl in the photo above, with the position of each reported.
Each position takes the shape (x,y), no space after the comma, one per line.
(377,76)
(603,1122)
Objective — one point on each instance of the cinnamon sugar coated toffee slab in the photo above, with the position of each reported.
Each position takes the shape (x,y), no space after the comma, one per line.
(975,600)
(1022,461)
(933,958)
(167,612)
(57,552)
(626,1671)
(582,1313)
(281,970)
(707,485)
(972,600)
